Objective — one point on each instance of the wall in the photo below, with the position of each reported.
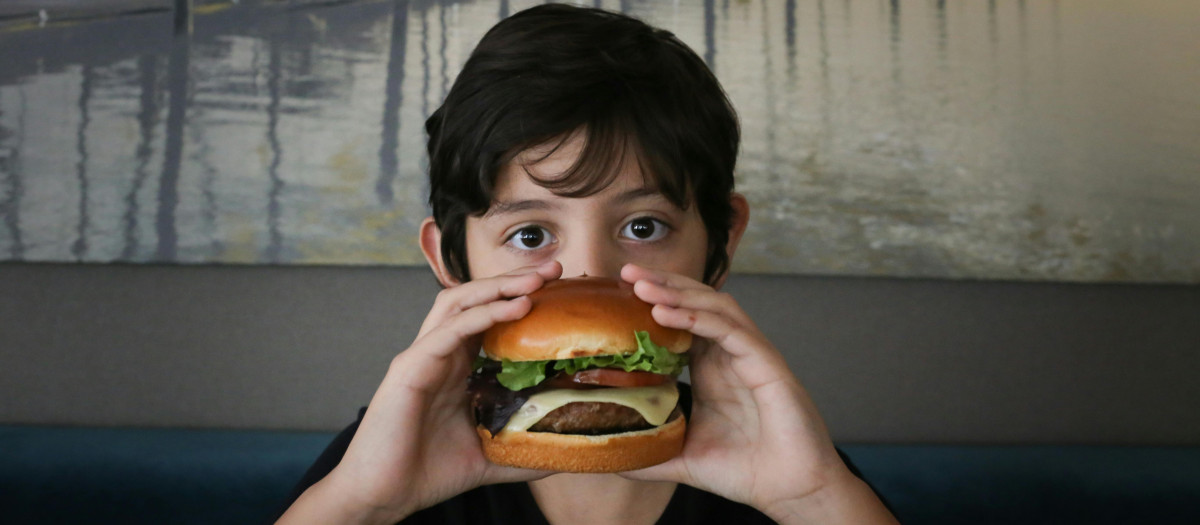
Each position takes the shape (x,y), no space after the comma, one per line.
(887,360)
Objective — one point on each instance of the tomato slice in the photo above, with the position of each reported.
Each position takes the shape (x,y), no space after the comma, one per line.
(562,380)
(618,378)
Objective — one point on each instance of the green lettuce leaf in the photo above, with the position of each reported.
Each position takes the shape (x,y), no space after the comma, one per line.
(517,375)
(649,357)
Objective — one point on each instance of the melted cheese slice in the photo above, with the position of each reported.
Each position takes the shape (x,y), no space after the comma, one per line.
(655,403)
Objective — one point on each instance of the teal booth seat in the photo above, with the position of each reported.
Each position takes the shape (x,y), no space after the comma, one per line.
(132,476)
(1034,484)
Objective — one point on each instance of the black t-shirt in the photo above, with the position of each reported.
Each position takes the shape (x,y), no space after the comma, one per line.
(513,503)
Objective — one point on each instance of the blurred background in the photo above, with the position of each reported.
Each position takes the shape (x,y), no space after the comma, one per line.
(973,222)
(1042,140)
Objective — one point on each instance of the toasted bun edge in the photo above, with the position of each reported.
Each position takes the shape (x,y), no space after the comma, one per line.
(586,454)
(580,317)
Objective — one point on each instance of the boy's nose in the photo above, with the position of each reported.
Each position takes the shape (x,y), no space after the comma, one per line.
(596,261)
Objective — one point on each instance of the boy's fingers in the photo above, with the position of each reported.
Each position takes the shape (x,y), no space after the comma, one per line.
(762,363)
(708,325)
(452,301)
(548,270)
(449,337)
(475,320)
(705,299)
(428,365)
(673,470)
(633,273)
(499,474)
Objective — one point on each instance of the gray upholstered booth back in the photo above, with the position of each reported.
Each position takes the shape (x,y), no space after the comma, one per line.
(898,361)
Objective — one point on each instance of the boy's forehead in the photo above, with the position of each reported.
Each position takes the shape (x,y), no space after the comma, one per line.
(514,186)
(565,148)
(552,157)
(561,171)
(513,183)
(516,191)
(555,159)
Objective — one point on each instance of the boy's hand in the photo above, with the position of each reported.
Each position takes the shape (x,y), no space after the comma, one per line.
(754,435)
(417,444)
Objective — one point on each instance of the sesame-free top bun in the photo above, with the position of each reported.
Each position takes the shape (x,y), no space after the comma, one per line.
(580,317)
(575,453)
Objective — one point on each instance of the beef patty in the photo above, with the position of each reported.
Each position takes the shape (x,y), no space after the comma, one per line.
(594,418)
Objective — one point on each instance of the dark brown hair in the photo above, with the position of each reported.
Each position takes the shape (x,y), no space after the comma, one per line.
(632,89)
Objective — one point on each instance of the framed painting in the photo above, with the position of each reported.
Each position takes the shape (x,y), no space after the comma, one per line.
(963,140)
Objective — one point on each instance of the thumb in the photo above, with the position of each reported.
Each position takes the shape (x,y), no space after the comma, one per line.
(501,474)
(672,470)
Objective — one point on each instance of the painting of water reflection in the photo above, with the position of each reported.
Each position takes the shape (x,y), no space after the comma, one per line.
(993,140)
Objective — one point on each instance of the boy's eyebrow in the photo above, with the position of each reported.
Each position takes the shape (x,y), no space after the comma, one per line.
(637,193)
(505,207)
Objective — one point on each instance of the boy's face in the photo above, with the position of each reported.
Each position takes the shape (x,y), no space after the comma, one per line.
(596,235)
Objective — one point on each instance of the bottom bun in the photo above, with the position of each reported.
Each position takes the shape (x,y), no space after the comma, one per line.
(578,453)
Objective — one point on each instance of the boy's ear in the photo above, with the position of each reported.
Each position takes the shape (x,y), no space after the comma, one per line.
(737,227)
(431,245)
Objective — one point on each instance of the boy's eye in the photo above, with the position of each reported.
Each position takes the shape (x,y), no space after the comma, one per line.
(644,229)
(530,238)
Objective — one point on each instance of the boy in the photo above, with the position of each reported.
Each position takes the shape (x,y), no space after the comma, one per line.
(577,141)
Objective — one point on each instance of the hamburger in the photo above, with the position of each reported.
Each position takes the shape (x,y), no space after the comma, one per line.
(585,382)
